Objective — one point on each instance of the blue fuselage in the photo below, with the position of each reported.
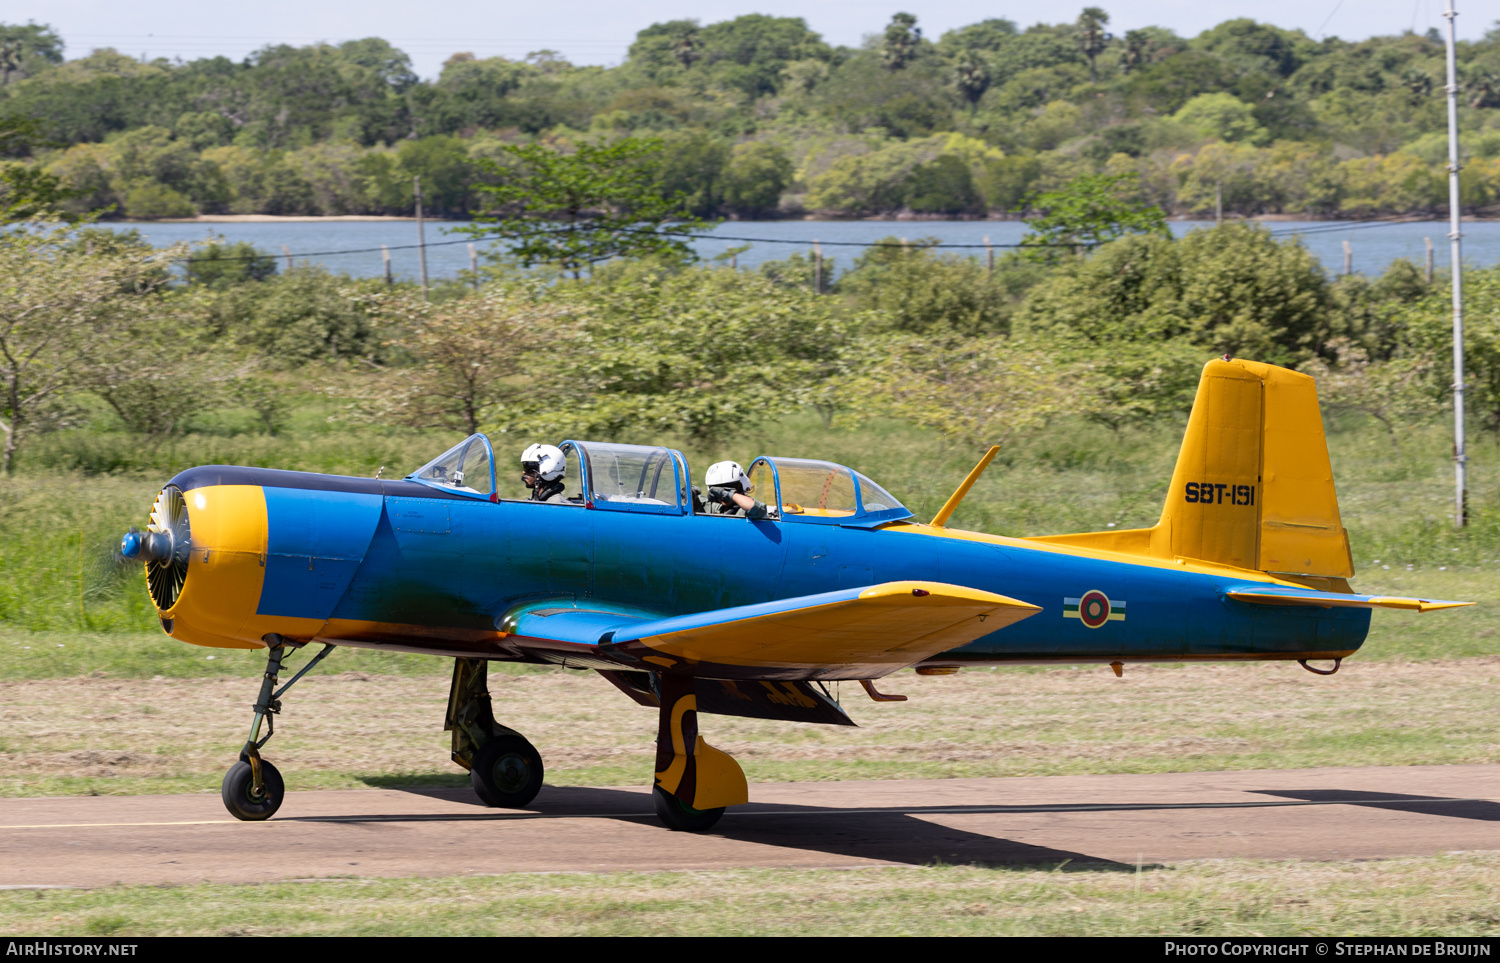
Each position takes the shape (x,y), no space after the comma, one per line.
(420,569)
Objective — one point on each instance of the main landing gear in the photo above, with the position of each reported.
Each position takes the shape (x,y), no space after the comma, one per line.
(694,781)
(253,788)
(505,769)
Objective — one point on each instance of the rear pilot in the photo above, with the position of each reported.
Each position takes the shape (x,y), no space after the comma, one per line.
(729,491)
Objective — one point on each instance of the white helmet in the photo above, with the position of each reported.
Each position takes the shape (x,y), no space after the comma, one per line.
(547,460)
(724,474)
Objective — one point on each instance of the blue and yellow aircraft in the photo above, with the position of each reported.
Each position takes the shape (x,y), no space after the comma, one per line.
(691,614)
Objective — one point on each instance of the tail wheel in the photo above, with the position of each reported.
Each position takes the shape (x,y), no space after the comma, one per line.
(165,577)
(507,772)
(678,816)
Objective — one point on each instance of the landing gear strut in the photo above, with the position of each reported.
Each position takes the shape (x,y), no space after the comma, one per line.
(694,781)
(253,788)
(505,769)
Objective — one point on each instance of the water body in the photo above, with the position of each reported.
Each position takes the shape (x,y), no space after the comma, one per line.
(1373,245)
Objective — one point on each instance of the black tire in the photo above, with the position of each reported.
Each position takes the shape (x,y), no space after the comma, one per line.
(507,772)
(679,817)
(240,797)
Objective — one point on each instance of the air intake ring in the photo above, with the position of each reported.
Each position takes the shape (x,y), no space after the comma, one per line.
(165,547)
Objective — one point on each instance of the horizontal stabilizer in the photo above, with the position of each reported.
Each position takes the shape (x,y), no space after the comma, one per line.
(889,626)
(1279,595)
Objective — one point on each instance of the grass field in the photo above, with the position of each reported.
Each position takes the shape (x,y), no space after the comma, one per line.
(1437,896)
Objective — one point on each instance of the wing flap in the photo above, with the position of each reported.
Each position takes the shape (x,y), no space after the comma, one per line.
(1278,595)
(892,624)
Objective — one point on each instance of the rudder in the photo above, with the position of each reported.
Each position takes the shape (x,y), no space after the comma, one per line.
(1253,487)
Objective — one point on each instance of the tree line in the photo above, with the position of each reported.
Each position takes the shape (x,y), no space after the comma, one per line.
(762,117)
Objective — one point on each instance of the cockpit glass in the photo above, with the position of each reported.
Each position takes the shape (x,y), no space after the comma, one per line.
(466,467)
(633,475)
(815,488)
(875,498)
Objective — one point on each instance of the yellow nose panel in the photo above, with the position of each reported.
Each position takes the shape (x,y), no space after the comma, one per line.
(226,572)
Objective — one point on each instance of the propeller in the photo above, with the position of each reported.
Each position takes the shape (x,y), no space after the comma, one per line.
(164,547)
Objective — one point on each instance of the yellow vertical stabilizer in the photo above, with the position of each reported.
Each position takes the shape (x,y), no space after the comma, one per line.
(1253,486)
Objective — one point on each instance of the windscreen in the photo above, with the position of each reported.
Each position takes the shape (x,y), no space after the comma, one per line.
(465,467)
(875,498)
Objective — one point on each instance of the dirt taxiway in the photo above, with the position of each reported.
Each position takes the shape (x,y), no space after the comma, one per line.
(1119,819)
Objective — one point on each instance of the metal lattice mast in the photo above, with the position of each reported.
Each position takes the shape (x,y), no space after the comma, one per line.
(1455,237)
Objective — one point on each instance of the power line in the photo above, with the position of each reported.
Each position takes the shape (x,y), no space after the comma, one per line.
(1356,225)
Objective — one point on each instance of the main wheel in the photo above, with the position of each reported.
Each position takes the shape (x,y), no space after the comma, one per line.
(678,816)
(241,798)
(507,772)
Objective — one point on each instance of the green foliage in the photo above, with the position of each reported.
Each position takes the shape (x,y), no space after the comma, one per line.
(943,185)
(67,307)
(303,315)
(575,210)
(1093,40)
(1228,290)
(226,265)
(267,398)
(692,168)
(701,353)
(748,55)
(902,41)
(1244,112)
(977,391)
(1223,117)
(26,50)
(757,174)
(28,194)
(932,175)
(1090,211)
(797,270)
(1426,327)
(915,290)
(466,360)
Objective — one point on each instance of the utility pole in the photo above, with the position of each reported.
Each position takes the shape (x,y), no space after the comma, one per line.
(1348,259)
(416,187)
(817,267)
(989,255)
(286,252)
(1460,452)
(474,265)
(1428,242)
(1219,204)
(385,257)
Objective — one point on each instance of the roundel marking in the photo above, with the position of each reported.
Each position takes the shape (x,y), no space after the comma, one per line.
(1093,608)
